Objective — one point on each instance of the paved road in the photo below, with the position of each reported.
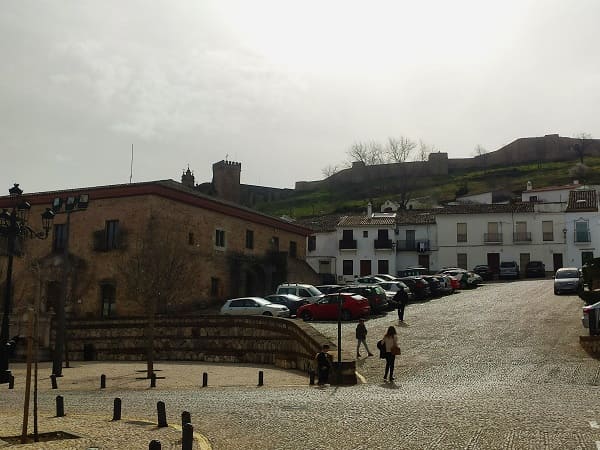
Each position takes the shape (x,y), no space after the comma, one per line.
(496,367)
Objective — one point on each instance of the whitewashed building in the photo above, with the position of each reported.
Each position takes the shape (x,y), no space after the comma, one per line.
(582,227)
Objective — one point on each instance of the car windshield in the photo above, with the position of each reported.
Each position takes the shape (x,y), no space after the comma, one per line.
(314,291)
(567,274)
(507,264)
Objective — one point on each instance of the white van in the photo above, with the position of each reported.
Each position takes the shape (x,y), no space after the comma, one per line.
(306,291)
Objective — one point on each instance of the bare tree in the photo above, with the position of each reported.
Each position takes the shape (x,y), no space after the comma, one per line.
(482,153)
(158,275)
(423,151)
(329,170)
(579,147)
(369,153)
(399,149)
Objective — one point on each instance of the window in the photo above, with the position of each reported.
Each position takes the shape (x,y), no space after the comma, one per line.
(59,237)
(461,260)
(383,266)
(249,239)
(293,249)
(347,235)
(220,238)
(312,243)
(586,257)
(275,243)
(347,267)
(547,230)
(582,231)
(107,293)
(112,234)
(382,235)
(365,234)
(214,286)
(191,240)
(461,232)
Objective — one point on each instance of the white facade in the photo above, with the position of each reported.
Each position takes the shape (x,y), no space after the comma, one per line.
(484,198)
(323,258)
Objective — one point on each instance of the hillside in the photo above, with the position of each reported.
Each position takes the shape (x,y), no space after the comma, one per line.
(440,189)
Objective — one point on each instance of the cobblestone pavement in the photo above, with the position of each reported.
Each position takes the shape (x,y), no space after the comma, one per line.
(495,367)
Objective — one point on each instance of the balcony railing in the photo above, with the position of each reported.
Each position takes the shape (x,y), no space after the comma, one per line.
(413,246)
(383,244)
(461,238)
(347,244)
(490,238)
(582,236)
(521,236)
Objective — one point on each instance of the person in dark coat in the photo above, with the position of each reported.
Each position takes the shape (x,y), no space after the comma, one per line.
(323,365)
(401,298)
(361,337)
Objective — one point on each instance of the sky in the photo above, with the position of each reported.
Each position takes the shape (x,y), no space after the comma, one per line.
(284,87)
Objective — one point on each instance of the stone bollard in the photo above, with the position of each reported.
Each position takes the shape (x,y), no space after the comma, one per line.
(311,377)
(186,417)
(11,382)
(117,409)
(187,437)
(260,377)
(60,406)
(153,380)
(204,379)
(154,445)
(53,380)
(162,415)
(102,381)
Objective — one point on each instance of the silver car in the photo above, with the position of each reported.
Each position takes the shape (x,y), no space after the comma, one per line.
(567,279)
(250,306)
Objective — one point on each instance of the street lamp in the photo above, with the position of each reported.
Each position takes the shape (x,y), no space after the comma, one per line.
(13,227)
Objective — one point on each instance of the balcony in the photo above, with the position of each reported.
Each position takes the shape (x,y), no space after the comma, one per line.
(413,246)
(382,244)
(347,244)
(521,236)
(582,237)
(492,238)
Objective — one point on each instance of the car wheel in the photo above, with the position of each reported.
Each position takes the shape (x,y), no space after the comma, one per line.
(346,315)
(306,315)
(555,292)
(267,313)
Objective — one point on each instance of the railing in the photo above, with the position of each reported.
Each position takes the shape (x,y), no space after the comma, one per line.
(413,246)
(383,244)
(492,237)
(461,238)
(347,244)
(521,236)
(582,236)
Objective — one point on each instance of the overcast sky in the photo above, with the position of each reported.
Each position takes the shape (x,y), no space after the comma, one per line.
(284,87)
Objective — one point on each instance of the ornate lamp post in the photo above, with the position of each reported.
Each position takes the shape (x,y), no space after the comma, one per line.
(13,227)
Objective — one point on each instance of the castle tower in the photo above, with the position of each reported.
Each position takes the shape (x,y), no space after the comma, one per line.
(226,180)
(187,179)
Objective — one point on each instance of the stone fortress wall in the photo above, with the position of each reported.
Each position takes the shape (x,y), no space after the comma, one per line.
(548,148)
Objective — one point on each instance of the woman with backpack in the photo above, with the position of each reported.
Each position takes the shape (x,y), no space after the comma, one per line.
(390,348)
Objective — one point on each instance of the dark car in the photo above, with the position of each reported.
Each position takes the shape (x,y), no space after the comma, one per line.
(372,292)
(483,271)
(328,288)
(418,286)
(293,302)
(434,285)
(535,269)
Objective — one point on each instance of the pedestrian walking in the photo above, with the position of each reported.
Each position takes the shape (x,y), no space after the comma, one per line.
(391,348)
(324,362)
(361,337)
(401,299)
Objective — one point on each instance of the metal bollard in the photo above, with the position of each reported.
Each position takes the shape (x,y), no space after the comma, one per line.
(204,379)
(102,381)
(187,437)
(154,445)
(60,406)
(260,377)
(153,380)
(186,417)
(11,382)
(53,380)
(162,414)
(311,377)
(117,409)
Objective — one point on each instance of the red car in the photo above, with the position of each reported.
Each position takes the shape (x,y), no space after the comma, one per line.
(327,308)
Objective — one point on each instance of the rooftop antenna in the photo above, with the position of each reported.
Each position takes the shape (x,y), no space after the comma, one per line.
(131,165)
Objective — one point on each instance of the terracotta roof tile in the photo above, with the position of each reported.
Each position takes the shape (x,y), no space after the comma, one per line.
(582,200)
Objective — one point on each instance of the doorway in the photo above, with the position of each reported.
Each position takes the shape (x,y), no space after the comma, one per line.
(557,260)
(493,262)
(365,267)
(424,261)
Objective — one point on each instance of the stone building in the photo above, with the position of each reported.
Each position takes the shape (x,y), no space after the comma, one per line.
(230,250)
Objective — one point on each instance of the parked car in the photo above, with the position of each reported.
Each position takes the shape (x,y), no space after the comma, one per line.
(591,318)
(535,269)
(484,271)
(327,307)
(391,288)
(306,291)
(466,279)
(413,271)
(567,279)
(249,306)
(370,279)
(445,283)
(418,286)
(509,269)
(434,285)
(328,288)
(372,292)
(386,276)
(293,302)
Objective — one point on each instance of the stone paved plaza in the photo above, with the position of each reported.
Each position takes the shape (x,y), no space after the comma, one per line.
(496,367)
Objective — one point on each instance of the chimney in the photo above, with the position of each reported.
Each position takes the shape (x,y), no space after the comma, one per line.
(575,181)
(529,186)
(369,209)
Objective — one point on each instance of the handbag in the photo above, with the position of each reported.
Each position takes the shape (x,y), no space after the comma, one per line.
(396,350)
